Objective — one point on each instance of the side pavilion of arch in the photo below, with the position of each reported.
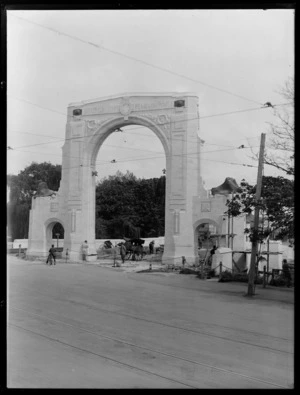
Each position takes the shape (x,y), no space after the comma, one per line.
(174,118)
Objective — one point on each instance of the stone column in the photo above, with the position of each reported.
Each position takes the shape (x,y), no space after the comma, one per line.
(37,231)
(182,175)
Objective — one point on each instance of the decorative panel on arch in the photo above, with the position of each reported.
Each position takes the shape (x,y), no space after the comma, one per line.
(178,172)
(75,168)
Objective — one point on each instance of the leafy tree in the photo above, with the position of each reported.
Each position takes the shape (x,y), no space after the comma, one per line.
(130,207)
(125,205)
(22,187)
(276,205)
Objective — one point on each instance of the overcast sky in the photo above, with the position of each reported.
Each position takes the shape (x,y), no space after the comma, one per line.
(249,53)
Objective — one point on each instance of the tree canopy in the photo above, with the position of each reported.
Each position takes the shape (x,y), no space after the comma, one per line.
(21,189)
(125,205)
(131,207)
(276,206)
(24,185)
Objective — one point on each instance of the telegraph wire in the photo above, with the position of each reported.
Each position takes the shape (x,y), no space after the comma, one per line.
(139,134)
(230,163)
(163,123)
(121,147)
(162,153)
(105,163)
(50,154)
(101,47)
(36,105)
(34,134)
(169,122)
(125,131)
(77,138)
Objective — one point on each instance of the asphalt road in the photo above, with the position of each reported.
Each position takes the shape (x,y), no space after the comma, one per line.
(87,326)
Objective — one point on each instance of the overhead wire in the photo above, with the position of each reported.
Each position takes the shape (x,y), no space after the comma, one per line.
(163,123)
(139,60)
(101,47)
(120,147)
(168,108)
(104,163)
(124,131)
(148,136)
(162,153)
(168,122)
(136,159)
(36,105)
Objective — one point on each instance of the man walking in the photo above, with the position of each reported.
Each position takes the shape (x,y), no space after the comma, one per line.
(52,254)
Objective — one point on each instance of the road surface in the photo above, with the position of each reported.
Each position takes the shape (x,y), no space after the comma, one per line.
(87,326)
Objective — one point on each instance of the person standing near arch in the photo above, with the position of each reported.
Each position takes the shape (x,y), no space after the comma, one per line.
(123,252)
(85,250)
(212,253)
(286,273)
(52,254)
(151,247)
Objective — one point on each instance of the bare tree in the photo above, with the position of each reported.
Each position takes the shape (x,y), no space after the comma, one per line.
(280,150)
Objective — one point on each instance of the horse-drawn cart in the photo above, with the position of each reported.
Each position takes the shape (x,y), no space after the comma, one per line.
(134,249)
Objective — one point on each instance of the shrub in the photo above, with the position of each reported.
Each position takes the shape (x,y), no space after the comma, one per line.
(258,280)
(278,281)
(188,271)
(238,277)
(225,277)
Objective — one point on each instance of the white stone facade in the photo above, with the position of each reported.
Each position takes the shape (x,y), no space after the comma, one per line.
(174,118)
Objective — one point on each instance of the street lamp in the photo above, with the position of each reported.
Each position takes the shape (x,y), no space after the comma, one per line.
(57,236)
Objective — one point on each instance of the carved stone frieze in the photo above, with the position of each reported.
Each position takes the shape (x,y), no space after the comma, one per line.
(93,126)
(163,120)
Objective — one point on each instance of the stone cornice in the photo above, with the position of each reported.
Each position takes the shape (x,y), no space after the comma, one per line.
(134,94)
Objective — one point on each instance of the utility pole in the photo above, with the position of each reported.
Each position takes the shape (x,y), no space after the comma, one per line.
(251,287)
(228,230)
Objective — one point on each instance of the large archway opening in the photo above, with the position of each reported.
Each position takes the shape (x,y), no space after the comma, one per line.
(130,185)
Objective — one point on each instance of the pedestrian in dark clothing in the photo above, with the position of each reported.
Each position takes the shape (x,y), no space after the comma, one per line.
(286,272)
(151,247)
(123,252)
(212,252)
(52,255)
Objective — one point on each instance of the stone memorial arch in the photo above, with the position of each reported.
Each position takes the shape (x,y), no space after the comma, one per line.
(174,119)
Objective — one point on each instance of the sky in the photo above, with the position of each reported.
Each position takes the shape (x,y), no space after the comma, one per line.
(234,60)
